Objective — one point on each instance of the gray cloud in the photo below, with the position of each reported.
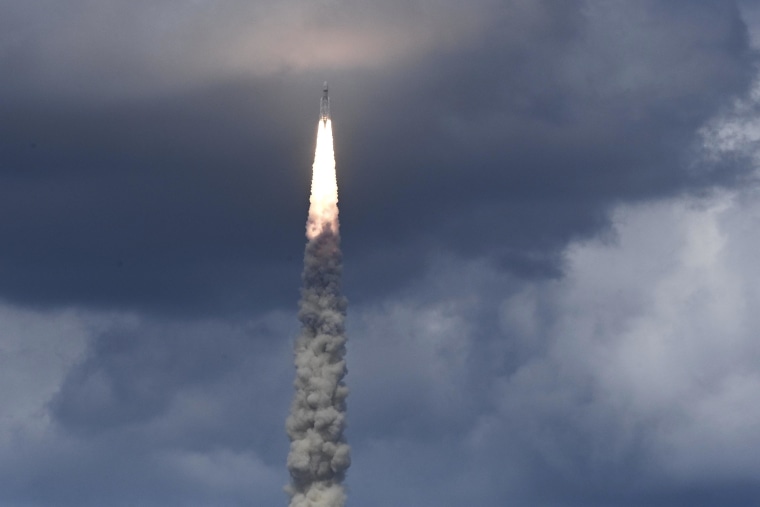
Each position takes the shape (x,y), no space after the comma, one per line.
(620,385)
(505,136)
(629,382)
(562,324)
(136,49)
(202,425)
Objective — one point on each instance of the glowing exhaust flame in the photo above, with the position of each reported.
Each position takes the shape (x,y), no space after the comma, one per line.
(323,211)
(319,455)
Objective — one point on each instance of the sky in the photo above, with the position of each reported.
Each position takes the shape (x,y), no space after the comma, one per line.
(550,213)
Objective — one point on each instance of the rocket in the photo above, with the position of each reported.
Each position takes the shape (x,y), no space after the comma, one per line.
(324,105)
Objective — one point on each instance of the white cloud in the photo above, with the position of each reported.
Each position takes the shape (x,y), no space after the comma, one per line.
(656,331)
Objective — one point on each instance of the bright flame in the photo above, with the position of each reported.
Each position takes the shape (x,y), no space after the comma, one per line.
(323,211)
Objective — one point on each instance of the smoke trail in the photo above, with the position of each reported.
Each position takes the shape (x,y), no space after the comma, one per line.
(319,454)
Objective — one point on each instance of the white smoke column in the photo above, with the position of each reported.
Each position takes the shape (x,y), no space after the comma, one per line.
(319,455)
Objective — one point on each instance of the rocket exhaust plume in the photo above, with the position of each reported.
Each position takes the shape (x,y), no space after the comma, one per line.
(319,454)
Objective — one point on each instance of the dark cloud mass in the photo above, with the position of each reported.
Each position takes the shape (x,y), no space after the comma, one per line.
(507,146)
(547,220)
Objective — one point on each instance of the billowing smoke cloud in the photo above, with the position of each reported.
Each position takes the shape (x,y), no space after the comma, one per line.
(319,455)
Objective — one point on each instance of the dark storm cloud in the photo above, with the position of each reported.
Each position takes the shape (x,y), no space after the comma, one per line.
(522,146)
(180,185)
(154,170)
(126,205)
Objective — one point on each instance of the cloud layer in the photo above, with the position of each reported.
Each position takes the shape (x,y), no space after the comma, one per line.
(630,381)
(507,136)
(549,213)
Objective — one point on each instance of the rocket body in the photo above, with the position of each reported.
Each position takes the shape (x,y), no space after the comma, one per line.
(324,105)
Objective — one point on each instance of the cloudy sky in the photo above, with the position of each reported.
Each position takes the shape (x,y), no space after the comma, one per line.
(550,215)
